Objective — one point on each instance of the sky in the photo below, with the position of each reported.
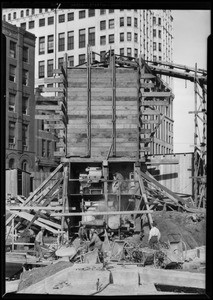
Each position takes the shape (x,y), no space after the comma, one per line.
(191,29)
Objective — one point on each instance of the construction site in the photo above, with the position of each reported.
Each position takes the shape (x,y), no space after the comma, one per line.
(106,116)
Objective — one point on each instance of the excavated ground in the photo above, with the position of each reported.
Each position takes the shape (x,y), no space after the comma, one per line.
(191,227)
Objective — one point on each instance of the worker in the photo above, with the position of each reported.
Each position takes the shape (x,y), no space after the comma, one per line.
(95,242)
(154,236)
(39,241)
(82,233)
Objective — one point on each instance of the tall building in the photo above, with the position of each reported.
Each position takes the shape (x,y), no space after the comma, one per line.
(127,32)
(20,104)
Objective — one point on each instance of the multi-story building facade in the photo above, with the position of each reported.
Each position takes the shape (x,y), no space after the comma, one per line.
(20,104)
(128,32)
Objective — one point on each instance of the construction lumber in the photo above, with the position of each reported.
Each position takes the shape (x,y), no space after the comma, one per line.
(156,94)
(37,190)
(49,117)
(155,102)
(48,107)
(102,213)
(49,99)
(162,161)
(53,89)
(16,207)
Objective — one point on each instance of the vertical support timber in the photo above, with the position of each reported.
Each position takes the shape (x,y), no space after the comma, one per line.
(88,101)
(64,195)
(112,64)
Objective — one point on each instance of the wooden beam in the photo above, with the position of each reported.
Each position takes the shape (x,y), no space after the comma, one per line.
(161,161)
(102,213)
(37,190)
(155,102)
(147,76)
(156,94)
(53,89)
(49,117)
(54,126)
(53,80)
(148,121)
(47,99)
(150,112)
(48,107)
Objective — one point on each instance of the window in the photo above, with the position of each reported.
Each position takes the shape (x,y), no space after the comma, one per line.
(41,69)
(23,25)
(61,18)
(111,11)
(122,51)
(159,21)
(41,22)
(121,37)
(50,20)
(154,20)
(91,13)
(102,25)
(25,54)
(49,67)
(135,37)
(50,44)
(14,15)
(82,38)
(12,49)
(12,163)
(71,61)
(22,13)
(9,17)
(136,53)
(136,22)
(25,102)
(154,58)
(48,148)
(82,58)
(82,14)
(61,41)
(31,24)
(70,16)
(27,12)
(111,38)
(46,9)
(159,33)
(43,152)
(160,58)
(111,23)
(102,11)
(159,47)
(121,22)
(102,54)
(25,77)
(103,40)
(129,36)
(154,45)
(33,11)
(129,21)
(92,36)
(70,40)
(60,62)
(42,45)
(4,17)
(12,98)
(154,32)
(129,52)
(12,73)
(12,126)
(40,10)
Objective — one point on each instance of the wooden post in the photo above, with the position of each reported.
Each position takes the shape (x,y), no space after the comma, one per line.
(105,175)
(64,196)
(88,102)
(112,64)
(13,235)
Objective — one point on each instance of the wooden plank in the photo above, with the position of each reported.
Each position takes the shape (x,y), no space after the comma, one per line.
(147,76)
(149,121)
(48,107)
(46,99)
(147,85)
(155,103)
(102,213)
(150,112)
(52,89)
(144,149)
(53,80)
(49,117)
(54,126)
(156,94)
(145,131)
(145,140)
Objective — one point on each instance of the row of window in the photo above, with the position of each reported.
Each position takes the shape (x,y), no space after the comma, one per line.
(155,33)
(12,134)
(111,23)
(12,103)
(13,51)
(70,16)
(82,40)
(159,149)
(155,21)
(12,75)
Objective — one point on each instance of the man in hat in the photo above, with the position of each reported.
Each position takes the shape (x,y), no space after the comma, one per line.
(95,242)
(39,241)
(154,236)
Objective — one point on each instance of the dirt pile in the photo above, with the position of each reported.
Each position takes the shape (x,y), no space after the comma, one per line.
(33,276)
(190,227)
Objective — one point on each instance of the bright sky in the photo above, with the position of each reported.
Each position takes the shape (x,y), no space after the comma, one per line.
(191,30)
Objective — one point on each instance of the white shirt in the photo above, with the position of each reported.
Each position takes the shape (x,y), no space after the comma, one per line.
(154,232)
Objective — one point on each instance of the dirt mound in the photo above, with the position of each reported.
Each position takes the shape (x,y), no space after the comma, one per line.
(31,277)
(173,225)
